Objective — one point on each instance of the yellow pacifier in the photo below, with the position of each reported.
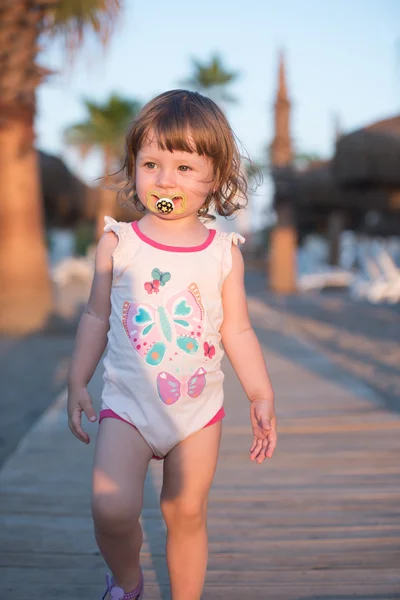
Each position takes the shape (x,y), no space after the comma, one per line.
(165,204)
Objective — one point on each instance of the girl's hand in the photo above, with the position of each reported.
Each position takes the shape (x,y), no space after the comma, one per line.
(79,401)
(263,422)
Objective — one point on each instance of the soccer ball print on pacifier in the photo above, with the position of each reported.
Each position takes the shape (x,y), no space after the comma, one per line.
(165,205)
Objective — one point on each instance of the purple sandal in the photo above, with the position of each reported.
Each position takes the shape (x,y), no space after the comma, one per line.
(117,593)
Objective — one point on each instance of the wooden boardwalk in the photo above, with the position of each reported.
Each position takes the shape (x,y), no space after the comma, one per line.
(319,521)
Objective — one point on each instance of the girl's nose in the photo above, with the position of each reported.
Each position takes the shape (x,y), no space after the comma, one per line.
(166,178)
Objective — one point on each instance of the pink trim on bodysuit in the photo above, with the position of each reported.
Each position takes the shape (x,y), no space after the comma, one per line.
(107,413)
(155,244)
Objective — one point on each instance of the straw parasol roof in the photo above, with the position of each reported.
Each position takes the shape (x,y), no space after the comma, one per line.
(316,187)
(64,195)
(319,189)
(370,156)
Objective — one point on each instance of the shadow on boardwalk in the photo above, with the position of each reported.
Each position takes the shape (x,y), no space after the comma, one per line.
(33,371)
(361,338)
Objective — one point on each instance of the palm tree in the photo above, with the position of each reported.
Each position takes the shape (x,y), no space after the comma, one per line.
(104,129)
(25,290)
(212,80)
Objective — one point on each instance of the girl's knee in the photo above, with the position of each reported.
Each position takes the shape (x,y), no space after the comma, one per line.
(187,514)
(112,513)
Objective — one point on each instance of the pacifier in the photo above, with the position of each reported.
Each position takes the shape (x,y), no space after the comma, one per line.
(165,205)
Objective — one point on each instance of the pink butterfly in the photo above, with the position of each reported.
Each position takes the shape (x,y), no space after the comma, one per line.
(209,350)
(152,286)
(170,389)
(151,328)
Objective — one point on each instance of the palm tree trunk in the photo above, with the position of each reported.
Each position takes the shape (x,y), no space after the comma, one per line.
(25,290)
(282,264)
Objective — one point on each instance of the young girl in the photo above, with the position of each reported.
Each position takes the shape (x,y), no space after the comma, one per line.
(169,295)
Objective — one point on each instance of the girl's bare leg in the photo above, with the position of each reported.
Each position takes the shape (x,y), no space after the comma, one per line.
(121,460)
(188,473)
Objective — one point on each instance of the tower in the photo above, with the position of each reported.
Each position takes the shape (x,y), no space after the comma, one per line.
(282,269)
(281,148)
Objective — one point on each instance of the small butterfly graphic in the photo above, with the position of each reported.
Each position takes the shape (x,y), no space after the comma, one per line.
(209,350)
(159,278)
(162,278)
(152,287)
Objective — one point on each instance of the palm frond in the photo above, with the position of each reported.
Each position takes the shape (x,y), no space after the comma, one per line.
(212,79)
(105,126)
(74,20)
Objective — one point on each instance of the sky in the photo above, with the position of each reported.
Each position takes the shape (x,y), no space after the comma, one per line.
(342,64)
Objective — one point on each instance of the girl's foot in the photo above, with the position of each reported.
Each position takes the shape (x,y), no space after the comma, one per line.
(114,592)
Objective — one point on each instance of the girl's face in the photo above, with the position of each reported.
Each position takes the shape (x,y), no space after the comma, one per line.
(173,173)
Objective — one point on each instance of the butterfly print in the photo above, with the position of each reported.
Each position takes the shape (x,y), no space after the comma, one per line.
(151,328)
(163,278)
(170,389)
(159,278)
(209,350)
(152,287)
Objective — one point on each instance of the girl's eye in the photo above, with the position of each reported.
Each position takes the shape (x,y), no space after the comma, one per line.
(150,165)
(184,168)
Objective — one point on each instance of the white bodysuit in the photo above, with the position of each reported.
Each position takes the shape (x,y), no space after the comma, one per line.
(163,365)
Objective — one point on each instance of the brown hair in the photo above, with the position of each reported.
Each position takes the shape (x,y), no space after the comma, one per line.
(189,122)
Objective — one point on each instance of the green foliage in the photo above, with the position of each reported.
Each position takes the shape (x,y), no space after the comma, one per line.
(212,79)
(105,127)
(48,241)
(74,20)
(84,238)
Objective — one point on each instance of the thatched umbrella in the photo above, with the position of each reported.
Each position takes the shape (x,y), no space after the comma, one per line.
(370,156)
(319,189)
(64,195)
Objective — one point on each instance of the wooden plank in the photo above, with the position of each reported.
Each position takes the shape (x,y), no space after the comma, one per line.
(65,575)
(221,592)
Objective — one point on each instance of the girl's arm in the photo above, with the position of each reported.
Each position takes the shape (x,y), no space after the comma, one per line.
(91,338)
(244,352)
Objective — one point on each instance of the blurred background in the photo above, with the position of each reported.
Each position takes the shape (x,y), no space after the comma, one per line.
(312,91)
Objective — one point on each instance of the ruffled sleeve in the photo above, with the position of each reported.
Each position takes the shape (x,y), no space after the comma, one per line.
(237,239)
(111,225)
(229,240)
(121,230)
